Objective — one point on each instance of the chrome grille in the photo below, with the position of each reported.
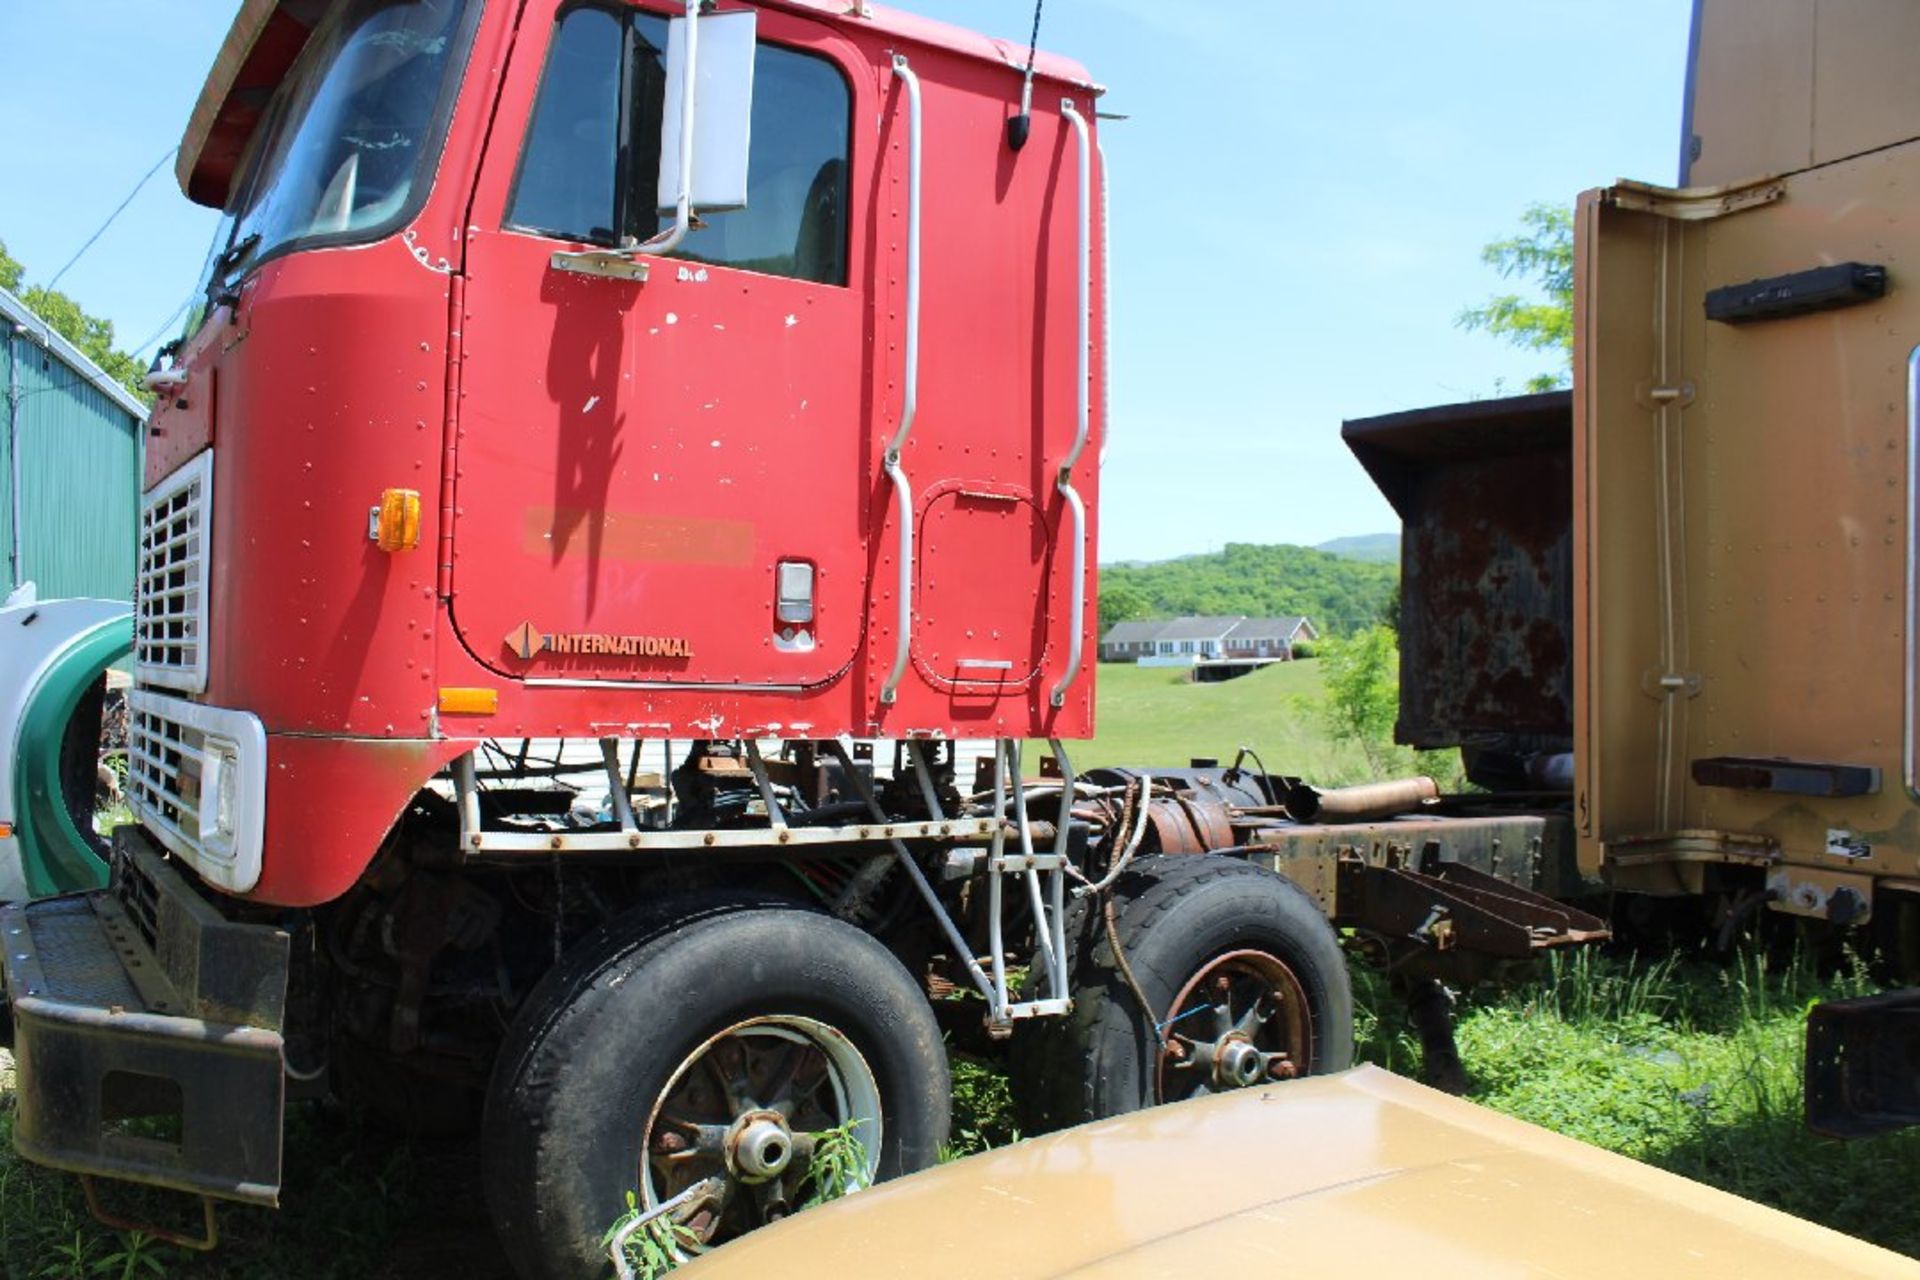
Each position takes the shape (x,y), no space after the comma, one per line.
(197,781)
(164,765)
(170,593)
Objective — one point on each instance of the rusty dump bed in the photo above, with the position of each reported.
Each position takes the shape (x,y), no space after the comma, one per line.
(1360,1174)
(1485,493)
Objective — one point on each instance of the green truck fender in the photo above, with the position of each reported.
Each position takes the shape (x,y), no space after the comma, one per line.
(52,654)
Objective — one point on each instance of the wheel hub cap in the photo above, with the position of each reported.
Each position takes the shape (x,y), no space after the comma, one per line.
(1237,1065)
(760,1146)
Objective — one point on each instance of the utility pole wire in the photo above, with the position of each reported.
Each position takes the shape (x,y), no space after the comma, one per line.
(110,217)
(166,326)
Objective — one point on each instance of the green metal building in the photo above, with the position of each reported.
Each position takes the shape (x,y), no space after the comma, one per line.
(69,466)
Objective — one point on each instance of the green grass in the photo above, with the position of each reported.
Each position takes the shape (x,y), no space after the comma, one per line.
(1690,1066)
(1155,715)
(362,1206)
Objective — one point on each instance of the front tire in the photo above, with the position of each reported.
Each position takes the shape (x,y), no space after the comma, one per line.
(640,1067)
(1240,970)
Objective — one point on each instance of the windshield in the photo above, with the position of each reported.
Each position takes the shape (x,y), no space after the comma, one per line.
(354,132)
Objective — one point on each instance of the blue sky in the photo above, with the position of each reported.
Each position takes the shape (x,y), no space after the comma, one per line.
(1299,199)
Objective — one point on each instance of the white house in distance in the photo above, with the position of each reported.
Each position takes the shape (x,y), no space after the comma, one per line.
(1182,642)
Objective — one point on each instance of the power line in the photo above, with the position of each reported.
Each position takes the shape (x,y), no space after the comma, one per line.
(165,326)
(118,210)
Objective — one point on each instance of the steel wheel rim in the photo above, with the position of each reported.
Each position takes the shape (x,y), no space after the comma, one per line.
(1263,1034)
(815,1079)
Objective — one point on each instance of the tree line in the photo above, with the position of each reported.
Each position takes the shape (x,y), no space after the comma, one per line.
(1279,581)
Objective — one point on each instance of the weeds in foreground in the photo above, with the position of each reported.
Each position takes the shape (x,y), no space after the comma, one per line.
(139,1255)
(658,1246)
(1692,1066)
(983,1115)
(352,1194)
(838,1167)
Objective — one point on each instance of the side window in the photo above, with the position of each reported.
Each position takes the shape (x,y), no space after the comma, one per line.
(566,183)
(592,155)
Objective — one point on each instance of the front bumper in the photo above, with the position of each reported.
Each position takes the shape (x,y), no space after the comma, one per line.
(147,1041)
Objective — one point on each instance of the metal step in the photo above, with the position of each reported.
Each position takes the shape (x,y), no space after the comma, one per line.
(116,1076)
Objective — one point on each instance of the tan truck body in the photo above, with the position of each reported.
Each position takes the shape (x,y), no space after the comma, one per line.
(1744,542)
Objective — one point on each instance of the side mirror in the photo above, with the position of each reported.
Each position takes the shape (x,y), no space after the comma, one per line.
(705,130)
(720,101)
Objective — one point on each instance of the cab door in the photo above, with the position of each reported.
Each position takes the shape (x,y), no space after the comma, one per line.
(661,480)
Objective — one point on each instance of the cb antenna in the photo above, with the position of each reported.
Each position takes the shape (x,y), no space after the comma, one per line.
(1021,126)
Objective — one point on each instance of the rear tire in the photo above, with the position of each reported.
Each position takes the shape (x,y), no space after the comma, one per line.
(611,1043)
(1185,924)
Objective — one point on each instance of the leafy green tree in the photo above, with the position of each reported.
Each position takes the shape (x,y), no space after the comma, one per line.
(1338,594)
(1540,319)
(91,334)
(1362,681)
(1121,602)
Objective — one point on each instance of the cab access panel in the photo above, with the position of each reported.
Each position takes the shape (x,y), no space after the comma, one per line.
(644,469)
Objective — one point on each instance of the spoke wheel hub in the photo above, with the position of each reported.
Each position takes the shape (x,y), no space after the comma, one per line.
(740,1115)
(1241,1020)
(759,1146)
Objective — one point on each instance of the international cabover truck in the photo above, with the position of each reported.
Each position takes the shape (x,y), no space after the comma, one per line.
(729,377)
(1701,624)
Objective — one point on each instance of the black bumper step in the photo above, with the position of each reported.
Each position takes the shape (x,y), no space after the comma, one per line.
(133,1059)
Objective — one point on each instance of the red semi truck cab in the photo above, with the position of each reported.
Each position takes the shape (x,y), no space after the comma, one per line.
(722,376)
(824,468)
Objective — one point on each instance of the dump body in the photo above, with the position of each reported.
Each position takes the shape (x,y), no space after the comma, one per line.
(1486,586)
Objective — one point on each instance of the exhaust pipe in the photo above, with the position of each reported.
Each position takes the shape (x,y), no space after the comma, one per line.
(1369,802)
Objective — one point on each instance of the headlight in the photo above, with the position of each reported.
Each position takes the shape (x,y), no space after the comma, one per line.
(223,764)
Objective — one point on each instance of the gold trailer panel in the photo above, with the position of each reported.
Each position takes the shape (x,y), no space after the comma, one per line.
(1775,86)
(1742,533)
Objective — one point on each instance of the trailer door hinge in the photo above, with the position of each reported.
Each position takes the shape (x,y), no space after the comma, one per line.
(1666,684)
(1664,395)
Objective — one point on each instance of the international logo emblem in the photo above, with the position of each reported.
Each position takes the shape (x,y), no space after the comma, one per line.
(528,642)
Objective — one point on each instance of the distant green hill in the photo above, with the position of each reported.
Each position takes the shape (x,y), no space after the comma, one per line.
(1381,548)
(1338,594)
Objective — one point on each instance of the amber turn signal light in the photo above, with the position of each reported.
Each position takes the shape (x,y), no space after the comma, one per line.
(469,702)
(394,525)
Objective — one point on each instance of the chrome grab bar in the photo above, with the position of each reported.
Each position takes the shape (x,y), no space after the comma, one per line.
(1083,390)
(1909,763)
(910,402)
